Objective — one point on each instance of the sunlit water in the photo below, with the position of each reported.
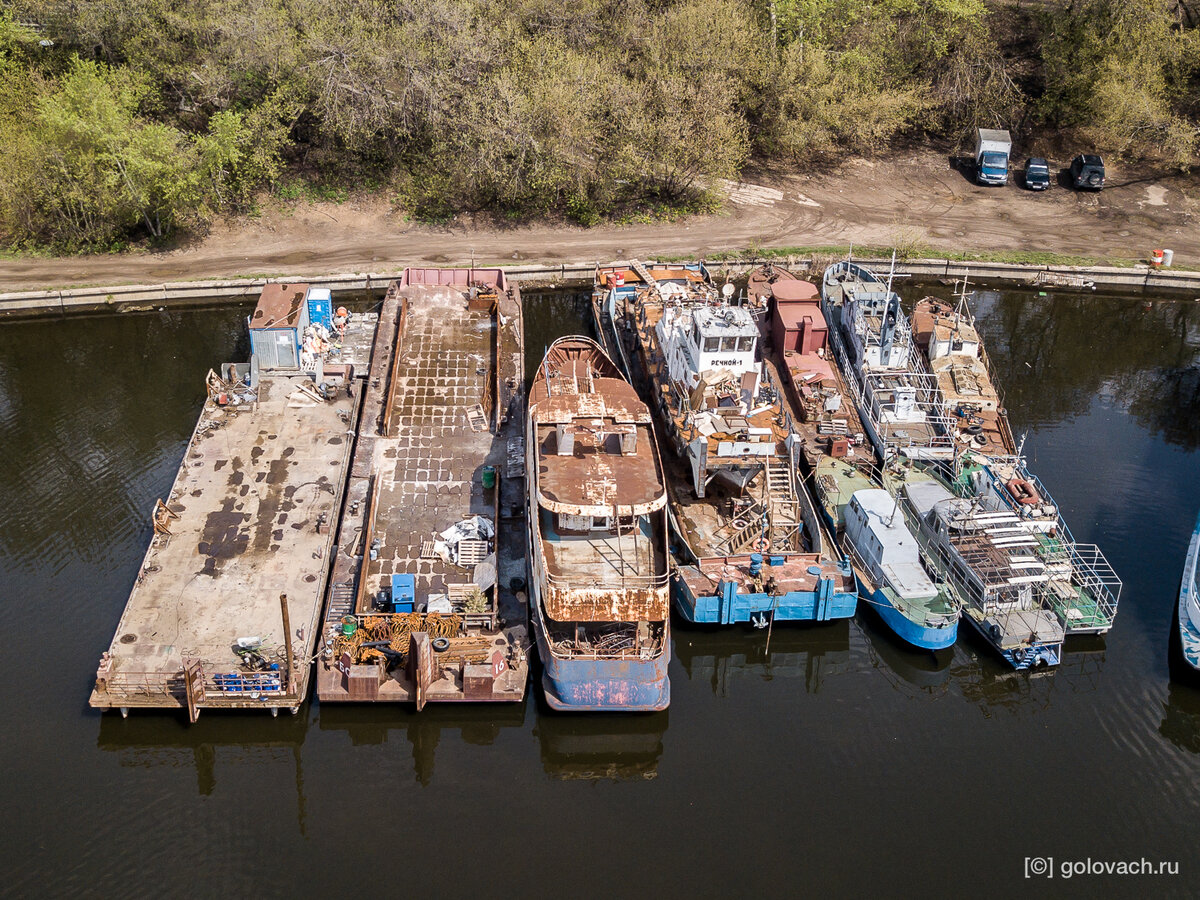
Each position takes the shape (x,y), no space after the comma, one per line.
(837,761)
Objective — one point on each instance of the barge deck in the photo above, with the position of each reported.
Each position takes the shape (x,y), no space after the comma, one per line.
(420,602)
(240,550)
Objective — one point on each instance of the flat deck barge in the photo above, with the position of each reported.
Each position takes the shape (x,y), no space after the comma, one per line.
(421,607)
(241,546)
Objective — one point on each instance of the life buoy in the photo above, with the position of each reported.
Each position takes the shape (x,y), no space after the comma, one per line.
(761,545)
(1023,491)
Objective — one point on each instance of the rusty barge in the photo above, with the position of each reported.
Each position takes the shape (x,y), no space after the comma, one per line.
(598,535)
(421,607)
(225,610)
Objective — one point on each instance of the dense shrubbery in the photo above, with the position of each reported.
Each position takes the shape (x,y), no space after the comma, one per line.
(145,116)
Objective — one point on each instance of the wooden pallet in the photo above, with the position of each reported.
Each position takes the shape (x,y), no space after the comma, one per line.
(471,551)
(476,418)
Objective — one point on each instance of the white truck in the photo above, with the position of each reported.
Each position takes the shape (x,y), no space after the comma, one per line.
(992,147)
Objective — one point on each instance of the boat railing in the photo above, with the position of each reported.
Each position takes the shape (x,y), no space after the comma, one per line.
(620,582)
(144,685)
(1096,574)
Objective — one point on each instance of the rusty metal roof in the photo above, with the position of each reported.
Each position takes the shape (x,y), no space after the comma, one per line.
(279,306)
(578,387)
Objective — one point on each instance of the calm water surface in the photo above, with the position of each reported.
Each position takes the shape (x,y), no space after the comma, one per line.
(838,761)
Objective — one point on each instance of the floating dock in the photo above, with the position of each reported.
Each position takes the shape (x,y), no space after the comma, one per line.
(421,607)
(225,611)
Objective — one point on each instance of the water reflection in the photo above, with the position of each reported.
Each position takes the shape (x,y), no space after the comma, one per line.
(601,747)
(726,656)
(994,687)
(1053,353)
(1181,716)
(477,724)
(151,740)
(904,666)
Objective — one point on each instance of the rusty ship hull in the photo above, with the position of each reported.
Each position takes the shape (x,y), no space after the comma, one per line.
(597,534)
(775,576)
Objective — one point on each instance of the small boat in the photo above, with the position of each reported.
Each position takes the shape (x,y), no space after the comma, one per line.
(898,399)
(749,542)
(946,336)
(993,563)
(893,576)
(598,535)
(1189,602)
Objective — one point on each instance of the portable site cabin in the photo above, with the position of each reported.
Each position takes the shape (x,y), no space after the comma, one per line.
(277,326)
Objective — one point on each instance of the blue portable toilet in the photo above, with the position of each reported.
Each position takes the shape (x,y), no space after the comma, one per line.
(320,307)
(404,592)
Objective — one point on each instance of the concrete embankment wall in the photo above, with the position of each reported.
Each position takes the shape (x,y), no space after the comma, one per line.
(132,298)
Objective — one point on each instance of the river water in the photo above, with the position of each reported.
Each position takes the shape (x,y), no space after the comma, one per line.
(839,761)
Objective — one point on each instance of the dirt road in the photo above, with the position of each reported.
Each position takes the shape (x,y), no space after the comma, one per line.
(919,198)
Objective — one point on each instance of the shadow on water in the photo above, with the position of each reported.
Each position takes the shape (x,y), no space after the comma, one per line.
(476,724)
(612,747)
(723,657)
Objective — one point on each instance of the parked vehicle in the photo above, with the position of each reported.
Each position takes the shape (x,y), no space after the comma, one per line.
(1037,174)
(992,148)
(1087,171)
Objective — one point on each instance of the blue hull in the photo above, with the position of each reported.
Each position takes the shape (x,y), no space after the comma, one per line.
(603,685)
(1021,658)
(820,605)
(907,630)
(1189,634)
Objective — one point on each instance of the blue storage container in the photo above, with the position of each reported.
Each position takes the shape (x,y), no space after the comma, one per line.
(404,593)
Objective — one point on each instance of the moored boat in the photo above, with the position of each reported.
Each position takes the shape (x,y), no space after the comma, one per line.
(920,609)
(994,565)
(1189,602)
(1084,588)
(897,397)
(946,336)
(598,535)
(749,542)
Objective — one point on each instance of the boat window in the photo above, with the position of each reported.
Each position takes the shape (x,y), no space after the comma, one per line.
(712,345)
(729,344)
(746,344)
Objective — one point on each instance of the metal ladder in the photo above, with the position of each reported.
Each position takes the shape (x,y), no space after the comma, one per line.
(341,600)
(643,272)
(784,508)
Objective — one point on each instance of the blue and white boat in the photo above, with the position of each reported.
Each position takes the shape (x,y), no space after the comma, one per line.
(893,577)
(1189,602)
(746,536)
(597,535)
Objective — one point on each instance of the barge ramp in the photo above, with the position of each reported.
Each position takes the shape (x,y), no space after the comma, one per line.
(241,546)
(421,604)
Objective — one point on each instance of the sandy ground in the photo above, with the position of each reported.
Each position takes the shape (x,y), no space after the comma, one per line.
(920,197)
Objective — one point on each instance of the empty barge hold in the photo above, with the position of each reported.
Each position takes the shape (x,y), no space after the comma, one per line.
(598,534)
(420,608)
(749,543)
(225,611)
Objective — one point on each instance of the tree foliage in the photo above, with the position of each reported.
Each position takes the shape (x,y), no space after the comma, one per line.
(126,119)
